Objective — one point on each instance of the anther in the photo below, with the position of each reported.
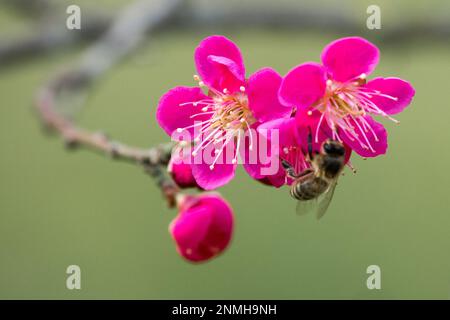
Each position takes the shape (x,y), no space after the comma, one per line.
(179,130)
(329,82)
(196,77)
(363,76)
(242,88)
(205,109)
(211,167)
(309,113)
(201,83)
(225,91)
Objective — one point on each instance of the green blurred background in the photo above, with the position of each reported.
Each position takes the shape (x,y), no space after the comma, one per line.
(59,208)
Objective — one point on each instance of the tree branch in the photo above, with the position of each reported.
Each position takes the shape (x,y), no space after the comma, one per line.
(124,35)
(195,14)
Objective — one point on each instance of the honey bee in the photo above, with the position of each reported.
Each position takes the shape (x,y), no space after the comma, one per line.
(314,187)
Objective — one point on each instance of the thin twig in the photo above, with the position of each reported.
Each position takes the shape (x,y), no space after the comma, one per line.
(124,35)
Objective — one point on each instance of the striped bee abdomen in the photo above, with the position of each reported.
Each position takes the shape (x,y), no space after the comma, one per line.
(309,189)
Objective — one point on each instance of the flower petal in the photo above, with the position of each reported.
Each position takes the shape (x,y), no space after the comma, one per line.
(209,179)
(399,89)
(368,142)
(310,126)
(261,160)
(303,85)
(347,58)
(219,63)
(280,132)
(180,168)
(262,91)
(176,107)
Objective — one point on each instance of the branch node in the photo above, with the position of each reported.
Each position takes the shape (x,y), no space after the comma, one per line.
(114,150)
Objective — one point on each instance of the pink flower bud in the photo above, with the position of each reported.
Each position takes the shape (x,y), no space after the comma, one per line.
(181,171)
(203,228)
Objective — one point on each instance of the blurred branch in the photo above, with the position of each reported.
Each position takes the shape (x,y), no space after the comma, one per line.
(124,35)
(195,14)
(52,34)
(34,8)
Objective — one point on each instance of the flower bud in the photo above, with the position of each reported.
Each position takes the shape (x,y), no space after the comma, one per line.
(203,227)
(181,171)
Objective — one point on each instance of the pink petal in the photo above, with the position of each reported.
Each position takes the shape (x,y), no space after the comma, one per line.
(285,129)
(279,179)
(219,63)
(262,92)
(180,168)
(171,115)
(347,58)
(262,159)
(212,179)
(307,124)
(397,88)
(378,143)
(303,85)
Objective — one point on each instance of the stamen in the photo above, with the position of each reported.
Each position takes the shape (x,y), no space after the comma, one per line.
(318,126)
(237,147)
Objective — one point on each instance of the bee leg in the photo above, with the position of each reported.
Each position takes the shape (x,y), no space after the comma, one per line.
(305,175)
(289,169)
(305,172)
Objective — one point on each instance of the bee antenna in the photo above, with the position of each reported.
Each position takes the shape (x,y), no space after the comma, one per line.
(286,165)
(288,168)
(310,146)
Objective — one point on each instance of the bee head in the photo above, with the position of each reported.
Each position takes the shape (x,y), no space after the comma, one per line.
(333,148)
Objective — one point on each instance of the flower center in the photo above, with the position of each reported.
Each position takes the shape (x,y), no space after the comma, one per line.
(228,117)
(231,112)
(342,99)
(345,105)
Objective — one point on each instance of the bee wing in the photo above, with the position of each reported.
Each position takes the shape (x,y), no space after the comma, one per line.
(324,200)
(304,207)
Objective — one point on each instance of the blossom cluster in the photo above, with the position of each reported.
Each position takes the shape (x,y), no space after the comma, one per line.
(259,120)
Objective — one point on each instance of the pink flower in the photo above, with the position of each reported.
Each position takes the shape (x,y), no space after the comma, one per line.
(180,169)
(338,89)
(203,228)
(218,121)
